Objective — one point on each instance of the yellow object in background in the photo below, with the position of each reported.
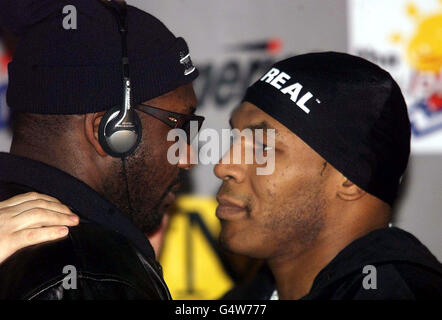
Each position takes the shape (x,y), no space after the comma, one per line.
(425,48)
(191,265)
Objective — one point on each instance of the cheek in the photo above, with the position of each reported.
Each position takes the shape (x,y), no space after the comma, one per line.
(264,192)
(156,144)
(271,191)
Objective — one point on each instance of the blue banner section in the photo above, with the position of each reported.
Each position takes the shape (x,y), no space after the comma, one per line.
(4,110)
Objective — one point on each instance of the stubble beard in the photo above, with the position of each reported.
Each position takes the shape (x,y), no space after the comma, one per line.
(301,220)
(290,227)
(133,192)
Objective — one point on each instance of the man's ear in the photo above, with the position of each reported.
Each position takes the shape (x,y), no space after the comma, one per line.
(348,191)
(91,124)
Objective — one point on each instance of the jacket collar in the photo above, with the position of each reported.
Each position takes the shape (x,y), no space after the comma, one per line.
(81,198)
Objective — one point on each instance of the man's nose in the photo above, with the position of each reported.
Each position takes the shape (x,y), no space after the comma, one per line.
(227,169)
(188,160)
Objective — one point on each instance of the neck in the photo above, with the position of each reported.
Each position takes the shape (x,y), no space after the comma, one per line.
(295,271)
(64,159)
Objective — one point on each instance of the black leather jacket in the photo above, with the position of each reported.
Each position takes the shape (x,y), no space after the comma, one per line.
(104,257)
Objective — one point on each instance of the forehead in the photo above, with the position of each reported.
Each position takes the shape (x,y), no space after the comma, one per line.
(181,100)
(249,115)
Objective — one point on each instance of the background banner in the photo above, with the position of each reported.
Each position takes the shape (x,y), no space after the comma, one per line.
(405,38)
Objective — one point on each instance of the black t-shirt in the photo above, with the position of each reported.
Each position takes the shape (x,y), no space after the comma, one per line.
(404,269)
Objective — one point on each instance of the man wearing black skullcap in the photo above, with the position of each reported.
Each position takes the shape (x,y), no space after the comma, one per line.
(93,104)
(321,219)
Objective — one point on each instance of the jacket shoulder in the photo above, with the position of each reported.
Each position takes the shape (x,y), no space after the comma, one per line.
(393,281)
(91,262)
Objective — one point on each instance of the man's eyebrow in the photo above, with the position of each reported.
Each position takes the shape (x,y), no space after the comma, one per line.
(261,125)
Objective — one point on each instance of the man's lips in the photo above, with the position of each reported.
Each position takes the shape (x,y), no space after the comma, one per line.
(229,209)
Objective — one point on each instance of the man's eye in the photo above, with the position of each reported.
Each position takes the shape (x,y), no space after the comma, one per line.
(262,146)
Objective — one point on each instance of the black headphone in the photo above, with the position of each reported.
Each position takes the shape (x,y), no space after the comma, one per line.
(120,128)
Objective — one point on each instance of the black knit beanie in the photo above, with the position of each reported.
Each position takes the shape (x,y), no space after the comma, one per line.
(77,71)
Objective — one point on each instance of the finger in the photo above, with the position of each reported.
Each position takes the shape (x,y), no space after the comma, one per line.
(41,204)
(26,197)
(38,217)
(28,237)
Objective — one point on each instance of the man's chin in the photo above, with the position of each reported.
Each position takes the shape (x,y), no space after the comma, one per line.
(167,203)
(230,245)
(228,239)
(153,229)
(240,242)
(150,225)
(156,214)
(226,245)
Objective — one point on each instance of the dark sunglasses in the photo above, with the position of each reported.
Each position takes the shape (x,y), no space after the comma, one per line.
(173,119)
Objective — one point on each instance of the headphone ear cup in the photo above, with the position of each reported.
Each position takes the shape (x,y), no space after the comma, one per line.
(119,142)
(102,127)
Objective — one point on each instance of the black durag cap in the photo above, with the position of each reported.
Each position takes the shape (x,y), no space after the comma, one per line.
(350,111)
(77,71)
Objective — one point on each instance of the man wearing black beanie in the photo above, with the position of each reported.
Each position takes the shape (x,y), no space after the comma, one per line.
(320,220)
(93,102)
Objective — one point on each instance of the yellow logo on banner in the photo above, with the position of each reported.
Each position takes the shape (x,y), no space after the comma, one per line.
(424,48)
(191,264)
